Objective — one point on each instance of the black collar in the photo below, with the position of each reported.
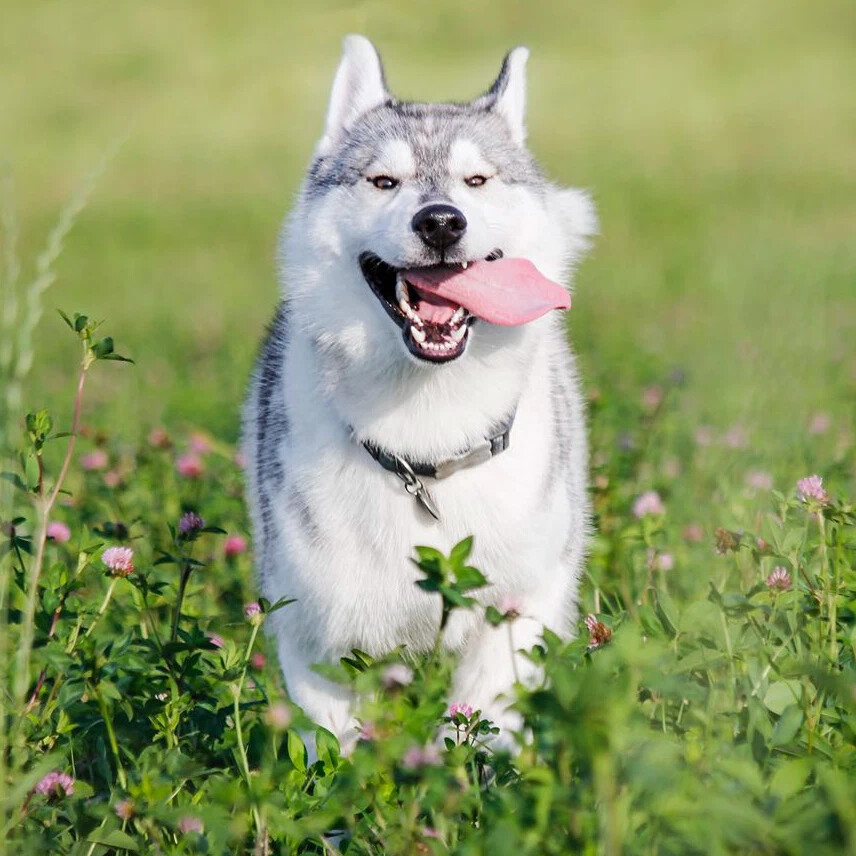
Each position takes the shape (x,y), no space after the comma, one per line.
(410,471)
(493,444)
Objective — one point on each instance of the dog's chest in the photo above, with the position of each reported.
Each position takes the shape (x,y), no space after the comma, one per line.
(349,528)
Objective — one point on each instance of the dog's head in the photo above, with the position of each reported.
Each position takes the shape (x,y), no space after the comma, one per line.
(418,224)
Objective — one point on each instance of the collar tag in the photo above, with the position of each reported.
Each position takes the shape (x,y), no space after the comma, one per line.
(414,486)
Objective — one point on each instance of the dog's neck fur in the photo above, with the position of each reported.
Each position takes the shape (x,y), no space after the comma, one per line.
(422,412)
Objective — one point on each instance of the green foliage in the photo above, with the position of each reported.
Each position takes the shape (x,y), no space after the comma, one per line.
(707,706)
(717,140)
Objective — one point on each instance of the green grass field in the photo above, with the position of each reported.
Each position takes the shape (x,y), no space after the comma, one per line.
(717,141)
(715,322)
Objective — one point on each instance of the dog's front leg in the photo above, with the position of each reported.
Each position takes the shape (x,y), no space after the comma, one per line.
(325,703)
(490,666)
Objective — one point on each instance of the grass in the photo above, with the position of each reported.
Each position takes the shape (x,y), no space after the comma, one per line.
(714,323)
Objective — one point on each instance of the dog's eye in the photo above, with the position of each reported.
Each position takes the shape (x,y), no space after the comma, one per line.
(384,182)
(475,180)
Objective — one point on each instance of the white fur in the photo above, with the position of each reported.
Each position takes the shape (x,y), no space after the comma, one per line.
(347,369)
(511,103)
(357,87)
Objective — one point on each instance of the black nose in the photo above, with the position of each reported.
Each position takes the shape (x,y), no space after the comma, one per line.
(439,225)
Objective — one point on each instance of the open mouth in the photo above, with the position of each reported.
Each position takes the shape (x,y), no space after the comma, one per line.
(434,328)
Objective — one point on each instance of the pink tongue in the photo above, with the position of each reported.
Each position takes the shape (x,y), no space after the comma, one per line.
(507,291)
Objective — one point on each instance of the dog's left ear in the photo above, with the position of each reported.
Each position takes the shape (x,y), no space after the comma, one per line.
(358,87)
(507,95)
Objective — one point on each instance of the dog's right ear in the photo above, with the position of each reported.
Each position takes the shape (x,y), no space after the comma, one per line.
(359,86)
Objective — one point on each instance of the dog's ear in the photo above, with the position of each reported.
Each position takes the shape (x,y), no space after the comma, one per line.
(507,95)
(359,86)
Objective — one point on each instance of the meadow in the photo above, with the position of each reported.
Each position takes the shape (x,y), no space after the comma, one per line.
(709,703)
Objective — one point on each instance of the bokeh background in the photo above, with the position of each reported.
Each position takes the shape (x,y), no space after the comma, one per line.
(718,139)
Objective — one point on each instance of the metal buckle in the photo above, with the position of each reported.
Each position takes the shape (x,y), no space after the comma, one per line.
(478,455)
(414,486)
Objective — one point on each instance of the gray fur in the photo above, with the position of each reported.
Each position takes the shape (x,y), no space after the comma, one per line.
(271,419)
(430,130)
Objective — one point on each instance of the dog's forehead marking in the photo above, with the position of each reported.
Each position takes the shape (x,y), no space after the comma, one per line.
(429,130)
(466,158)
(395,158)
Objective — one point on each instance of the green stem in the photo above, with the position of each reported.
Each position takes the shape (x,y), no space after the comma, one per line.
(103,607)
(111,736)
(730,658)
(242,752)
(513,658)
(831,591)
(45,504)
(182,586)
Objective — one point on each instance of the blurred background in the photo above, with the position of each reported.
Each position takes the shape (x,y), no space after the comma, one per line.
(718,140)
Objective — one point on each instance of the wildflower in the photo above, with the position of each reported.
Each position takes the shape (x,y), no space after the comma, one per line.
(511,607)
(726,541)
(190,465)
(660,561)
(258,660)
(652,397)
(215,640)
(278,716)
(810,489)
(124,809)
(430,832)
(112,478)
(367,731)
(671,468)
(735,438)
(762,546)
(397,675)
(58,531)
(466,710)
(693,533)
(421,756)
(199,443)
(190,523)
(649,503)
(96,460)
(759,479)
(159,438)
(119,560)
(234,546)
(161,696)
(779,579)
(189,824)
(819,423)
(56,785)
(253,612)
(704,435)
(599,633)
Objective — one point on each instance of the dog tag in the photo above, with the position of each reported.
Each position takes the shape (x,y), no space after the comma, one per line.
(414,486)
(424,498)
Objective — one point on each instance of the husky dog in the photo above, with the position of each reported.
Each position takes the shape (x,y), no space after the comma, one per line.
(415,388)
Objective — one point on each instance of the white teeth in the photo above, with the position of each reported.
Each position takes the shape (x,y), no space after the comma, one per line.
(401,295)
(458,316)
(417,334)
(458,333)
(464,265)
(407,309)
